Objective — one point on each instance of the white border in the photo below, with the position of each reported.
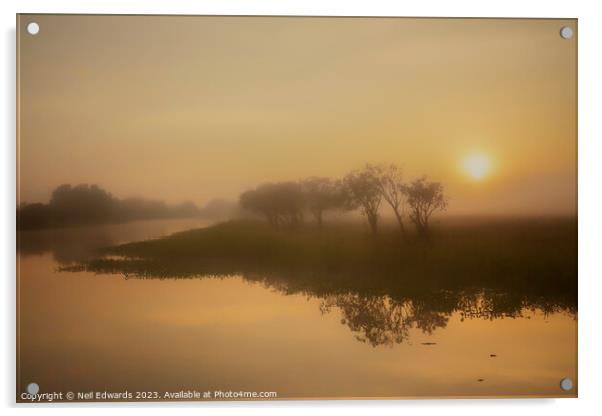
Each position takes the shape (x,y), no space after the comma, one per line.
(590,199)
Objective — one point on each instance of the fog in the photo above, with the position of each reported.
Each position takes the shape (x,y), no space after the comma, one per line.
(205,108)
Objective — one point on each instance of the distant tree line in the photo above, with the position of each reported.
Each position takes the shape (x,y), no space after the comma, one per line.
(284,204)
(89,204)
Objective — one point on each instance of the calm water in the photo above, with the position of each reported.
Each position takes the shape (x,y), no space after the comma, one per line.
(80,331)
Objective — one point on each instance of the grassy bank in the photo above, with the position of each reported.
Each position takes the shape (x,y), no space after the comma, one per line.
(533,259)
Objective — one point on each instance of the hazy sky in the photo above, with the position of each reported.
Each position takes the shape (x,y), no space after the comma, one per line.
(193,108)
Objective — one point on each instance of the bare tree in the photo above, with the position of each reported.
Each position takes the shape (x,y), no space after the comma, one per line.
(424,198)
(321,194)
(392,189)
(363,189)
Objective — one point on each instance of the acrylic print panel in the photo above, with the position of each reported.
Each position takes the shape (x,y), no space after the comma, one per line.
(265,208)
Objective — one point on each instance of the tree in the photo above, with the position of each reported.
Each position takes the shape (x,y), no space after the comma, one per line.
(363,189)
(281,203)
(320,195)
(392,189)
(34,216)
(424,198)
(82,204)
(287,198)
(89,204)
(256,200)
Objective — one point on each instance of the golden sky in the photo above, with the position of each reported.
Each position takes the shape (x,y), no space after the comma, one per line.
(193,108)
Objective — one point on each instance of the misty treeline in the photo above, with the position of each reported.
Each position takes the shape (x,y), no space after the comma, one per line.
(89,204)
(285,204)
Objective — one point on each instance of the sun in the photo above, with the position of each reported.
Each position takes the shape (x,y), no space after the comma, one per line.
(477,165)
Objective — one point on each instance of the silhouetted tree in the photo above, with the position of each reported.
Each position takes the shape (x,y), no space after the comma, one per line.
(392,189)
(257,200)
(424,198)
(287,197)
(363,190)
(320,195)
(82,204)
(90,204)
(281,203)
(31,216)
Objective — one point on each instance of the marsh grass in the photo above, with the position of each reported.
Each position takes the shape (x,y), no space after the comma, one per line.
(531,257)
(382,285)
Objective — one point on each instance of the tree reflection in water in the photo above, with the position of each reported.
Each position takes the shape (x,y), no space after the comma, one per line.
(375,320)
(384,289)
(382,320)
(382,314)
